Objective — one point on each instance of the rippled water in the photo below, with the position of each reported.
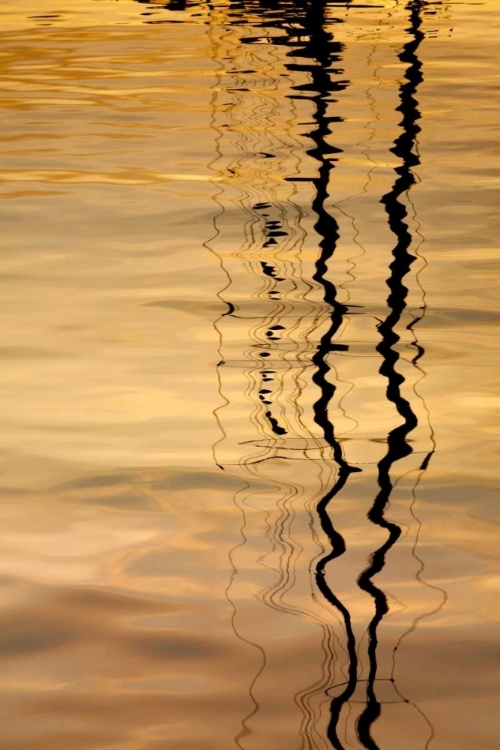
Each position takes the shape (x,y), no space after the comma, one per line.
(248,382)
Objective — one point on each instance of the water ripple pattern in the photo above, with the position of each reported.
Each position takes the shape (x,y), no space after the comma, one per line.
(249,442)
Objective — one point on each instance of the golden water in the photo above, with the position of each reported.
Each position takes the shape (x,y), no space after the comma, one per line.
(248,385)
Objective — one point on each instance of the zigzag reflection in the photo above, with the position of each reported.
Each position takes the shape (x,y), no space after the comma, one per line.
(277,364)
(284,322)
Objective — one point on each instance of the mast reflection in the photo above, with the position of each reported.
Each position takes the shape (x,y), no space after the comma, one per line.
(284,320)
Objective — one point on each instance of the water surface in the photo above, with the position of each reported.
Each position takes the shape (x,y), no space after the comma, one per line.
(249,375)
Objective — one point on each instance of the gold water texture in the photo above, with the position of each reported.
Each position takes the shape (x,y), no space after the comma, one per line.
(249,352)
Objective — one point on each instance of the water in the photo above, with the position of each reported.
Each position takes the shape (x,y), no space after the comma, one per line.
(248,380)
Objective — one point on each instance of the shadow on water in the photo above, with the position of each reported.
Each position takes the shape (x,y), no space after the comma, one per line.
(282,312)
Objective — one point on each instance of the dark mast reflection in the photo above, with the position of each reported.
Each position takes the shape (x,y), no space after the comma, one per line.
(324,52)
(305,27)
(398,446)
(308,39)
(279,317)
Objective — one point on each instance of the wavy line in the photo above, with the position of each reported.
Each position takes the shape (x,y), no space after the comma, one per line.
(397,444)
(280,529)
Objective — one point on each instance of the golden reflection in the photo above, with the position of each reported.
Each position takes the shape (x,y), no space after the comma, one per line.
(171,579)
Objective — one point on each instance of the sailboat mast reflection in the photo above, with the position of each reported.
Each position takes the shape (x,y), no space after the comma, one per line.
(398,446)
(276,327)
(278,334)
(322,52)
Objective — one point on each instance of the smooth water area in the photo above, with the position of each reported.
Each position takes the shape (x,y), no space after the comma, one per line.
(248,382)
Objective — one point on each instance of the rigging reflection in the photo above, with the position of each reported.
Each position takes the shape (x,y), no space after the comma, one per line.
(288,348)
(286,315)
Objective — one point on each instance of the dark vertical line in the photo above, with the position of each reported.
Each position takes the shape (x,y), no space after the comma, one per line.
(324,52)
(397,443)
